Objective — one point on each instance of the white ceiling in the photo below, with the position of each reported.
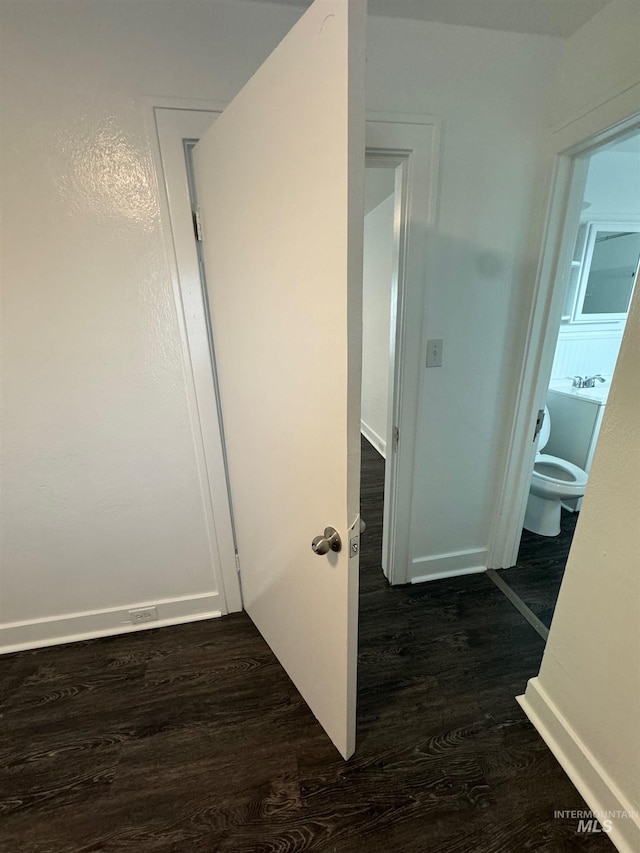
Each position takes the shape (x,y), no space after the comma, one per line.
(542,17)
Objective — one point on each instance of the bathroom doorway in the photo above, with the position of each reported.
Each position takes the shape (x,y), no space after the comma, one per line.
(600,274)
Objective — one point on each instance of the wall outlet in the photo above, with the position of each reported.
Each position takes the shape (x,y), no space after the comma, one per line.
(144,614)
(434,352)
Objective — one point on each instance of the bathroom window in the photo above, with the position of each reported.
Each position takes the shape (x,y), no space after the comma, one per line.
(608,272)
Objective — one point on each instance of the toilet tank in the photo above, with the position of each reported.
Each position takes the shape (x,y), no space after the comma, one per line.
(576,424)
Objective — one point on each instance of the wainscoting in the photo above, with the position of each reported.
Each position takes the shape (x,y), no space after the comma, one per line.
(586,353)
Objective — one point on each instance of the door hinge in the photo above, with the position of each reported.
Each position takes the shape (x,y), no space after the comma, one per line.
(237,563)
(539,422)
(396,435)
(197,225)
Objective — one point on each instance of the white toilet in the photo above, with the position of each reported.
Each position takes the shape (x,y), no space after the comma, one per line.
(553,480)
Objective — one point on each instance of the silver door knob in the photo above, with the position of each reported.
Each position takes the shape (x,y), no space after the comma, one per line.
(329,542)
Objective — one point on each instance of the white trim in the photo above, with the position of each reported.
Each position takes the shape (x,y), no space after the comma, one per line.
(449,565)
(599,122)
(579,135)
(373,438)
(404,118)
(605,216)
(582,331)
(73,627)
(593,226)
(172,121)
(411,143)
(556,252)
(585,771)
(152,102)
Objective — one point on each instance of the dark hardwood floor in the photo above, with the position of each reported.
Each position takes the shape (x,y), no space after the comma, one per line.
(537,575)
(192,738)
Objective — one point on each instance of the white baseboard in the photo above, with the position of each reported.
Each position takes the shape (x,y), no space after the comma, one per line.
(448,565)
(587,774)
(52,631)
(372,436)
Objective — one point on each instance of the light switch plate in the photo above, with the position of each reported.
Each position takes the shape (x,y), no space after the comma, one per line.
(434,352)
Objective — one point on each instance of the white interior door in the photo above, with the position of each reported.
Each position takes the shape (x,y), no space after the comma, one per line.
(280,182)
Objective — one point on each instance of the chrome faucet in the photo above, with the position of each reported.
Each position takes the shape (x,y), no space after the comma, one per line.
(587,381)
(590,381)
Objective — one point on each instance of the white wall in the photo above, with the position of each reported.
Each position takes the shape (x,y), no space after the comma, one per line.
(613,185)
(376,316)
(600,65)
(490,89)
(101,496)
(613,192)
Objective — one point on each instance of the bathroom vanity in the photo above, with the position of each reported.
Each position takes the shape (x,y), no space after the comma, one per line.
(576,417)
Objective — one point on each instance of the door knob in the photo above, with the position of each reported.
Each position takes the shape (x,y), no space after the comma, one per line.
(329,542)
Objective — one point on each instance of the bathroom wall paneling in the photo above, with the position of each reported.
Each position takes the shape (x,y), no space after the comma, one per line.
(586,353)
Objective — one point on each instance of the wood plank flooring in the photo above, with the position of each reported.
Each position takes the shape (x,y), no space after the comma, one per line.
(192,738)
(537,575)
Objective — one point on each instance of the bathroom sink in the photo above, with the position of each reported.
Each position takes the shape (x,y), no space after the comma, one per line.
(597,394)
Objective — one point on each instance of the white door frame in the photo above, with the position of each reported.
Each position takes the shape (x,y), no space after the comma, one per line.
(572,146)
(411,144)
(169,123)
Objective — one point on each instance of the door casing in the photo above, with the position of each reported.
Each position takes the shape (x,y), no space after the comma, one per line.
(571,150)
(169,123)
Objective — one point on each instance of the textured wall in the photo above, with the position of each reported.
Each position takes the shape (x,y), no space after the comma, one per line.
(101,493)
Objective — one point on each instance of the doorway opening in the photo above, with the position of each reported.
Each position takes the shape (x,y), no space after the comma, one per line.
(597,282)
(382,294)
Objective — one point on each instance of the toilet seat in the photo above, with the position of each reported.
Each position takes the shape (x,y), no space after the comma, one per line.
(553,481)
(557,477)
